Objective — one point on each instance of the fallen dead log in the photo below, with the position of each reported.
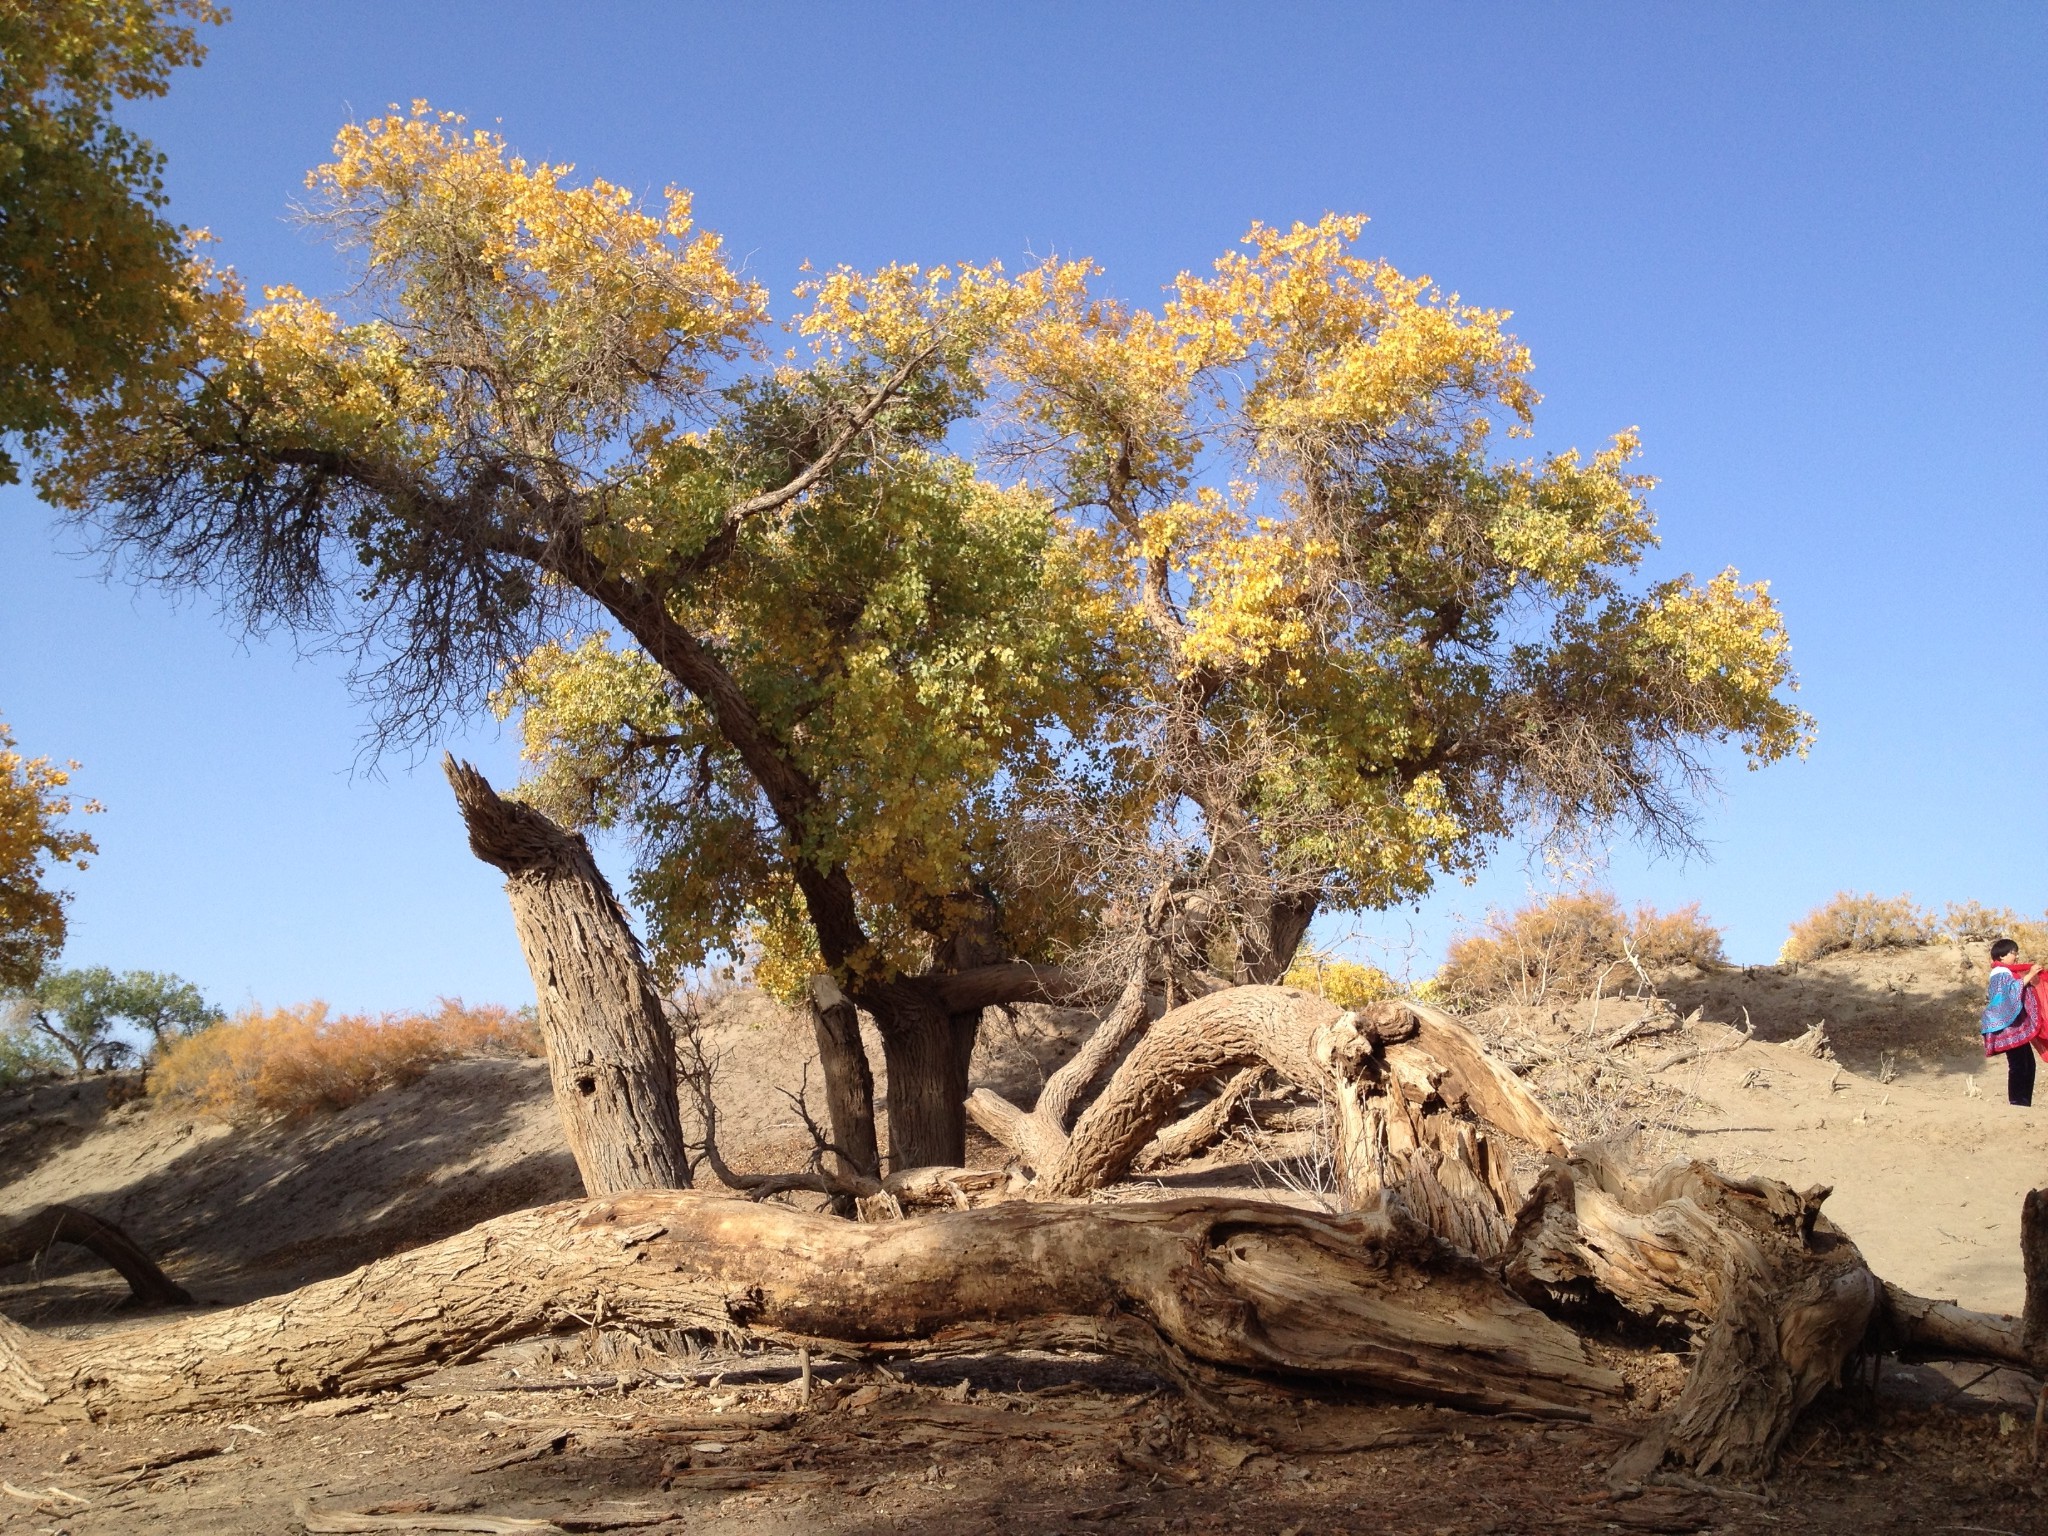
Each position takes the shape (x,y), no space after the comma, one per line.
(26,1240)
(1197,1132)
(1370,1300)
(1776,1295)
(1916,1327)
(1418,1100)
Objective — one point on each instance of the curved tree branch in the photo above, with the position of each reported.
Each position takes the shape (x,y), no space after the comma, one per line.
(34,1235)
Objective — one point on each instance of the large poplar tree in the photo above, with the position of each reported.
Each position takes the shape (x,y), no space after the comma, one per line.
(994,616)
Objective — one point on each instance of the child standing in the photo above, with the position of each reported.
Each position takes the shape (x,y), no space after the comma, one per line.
(2012,1019)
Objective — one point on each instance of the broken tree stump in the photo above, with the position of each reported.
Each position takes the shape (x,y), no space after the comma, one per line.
(611,1054)
(1776,1295)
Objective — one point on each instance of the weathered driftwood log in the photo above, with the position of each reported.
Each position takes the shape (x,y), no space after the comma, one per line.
(1418,1101)
(35,1234)
(1196,1133)
(610,1051)
(1370,1300)
(1039,1135)
(1777,1296)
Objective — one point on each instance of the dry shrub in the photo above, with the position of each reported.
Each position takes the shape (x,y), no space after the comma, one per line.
(1346,983)
(1569,945)
(1682,936)
(1974,920)
(1858,923)
(289,1062)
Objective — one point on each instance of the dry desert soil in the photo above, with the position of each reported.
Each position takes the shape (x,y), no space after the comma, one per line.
(604,1430)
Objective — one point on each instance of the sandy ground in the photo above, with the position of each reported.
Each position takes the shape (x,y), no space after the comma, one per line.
(609,1432)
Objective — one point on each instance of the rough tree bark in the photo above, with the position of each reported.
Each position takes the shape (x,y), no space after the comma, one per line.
(849,1081)
(1778,1296)
(1370,1300)
(927,1048)
(35,1234)
(610,1051)
(1418,1104)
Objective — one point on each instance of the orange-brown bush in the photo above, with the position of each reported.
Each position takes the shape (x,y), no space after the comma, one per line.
(1569,946)
(288,1062)
(1974,920)
(1858,922)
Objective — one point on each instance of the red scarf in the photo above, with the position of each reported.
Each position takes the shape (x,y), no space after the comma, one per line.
(2033,1002)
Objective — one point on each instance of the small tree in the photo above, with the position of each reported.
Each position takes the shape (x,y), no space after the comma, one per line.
(24,1054)
(33,836)
(74,1012)
(79,1012)
(168,1007)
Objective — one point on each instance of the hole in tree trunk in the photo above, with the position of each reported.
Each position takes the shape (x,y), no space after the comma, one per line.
(586,1085)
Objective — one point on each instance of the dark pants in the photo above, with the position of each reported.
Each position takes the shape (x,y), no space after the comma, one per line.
(2019,1075)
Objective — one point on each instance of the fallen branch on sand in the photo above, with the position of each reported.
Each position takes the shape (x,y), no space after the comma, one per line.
(28,1239)
(1371,1300)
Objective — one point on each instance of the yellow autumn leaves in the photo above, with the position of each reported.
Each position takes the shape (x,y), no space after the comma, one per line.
(1265,519)
(34,803)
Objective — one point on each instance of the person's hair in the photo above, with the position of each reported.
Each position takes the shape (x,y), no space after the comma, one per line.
(2000,948)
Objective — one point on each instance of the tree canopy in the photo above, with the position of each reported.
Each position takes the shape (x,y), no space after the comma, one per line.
(92,277)
(34,805)
(77,1012)
(995,616)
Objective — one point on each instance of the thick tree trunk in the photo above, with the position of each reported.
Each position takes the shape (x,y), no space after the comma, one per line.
(610,1051)
(1277,937)
(1777,1294)
(1369,1301)
(927,1050)
(1417,1101)
(32,1236)
(849,1081)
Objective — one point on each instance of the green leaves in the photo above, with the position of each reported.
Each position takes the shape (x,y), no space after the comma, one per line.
(79,1012)
(91,275)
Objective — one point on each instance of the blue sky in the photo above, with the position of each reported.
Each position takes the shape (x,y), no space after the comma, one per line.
(1803,248)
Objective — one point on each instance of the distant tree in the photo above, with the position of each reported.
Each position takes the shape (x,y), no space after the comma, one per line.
(92,278)
(24,1054)
(74,1012)
(78,1013)
(33,805)
(168,1007)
